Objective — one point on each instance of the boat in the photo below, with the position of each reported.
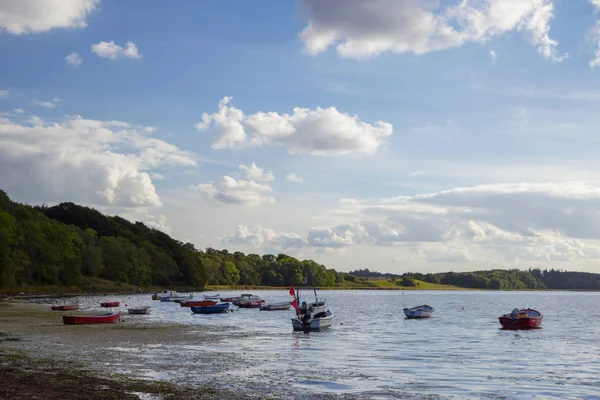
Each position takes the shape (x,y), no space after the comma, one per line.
(212,297)
(177,299)
(525,318)
(90,319)
(213,309)
(422,311)
(139,310)
(197,303)
(110,304)
(168,293)
(65,307)
(233,299)
(284,305)
(249,301)
(311,317)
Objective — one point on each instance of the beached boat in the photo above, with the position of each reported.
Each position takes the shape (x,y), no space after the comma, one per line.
(422,311)
(214,309)
(525,318)
(177,299)
(139,310)
(65,307)
(197,303)
(212,297)
(284,305)
(311,317)
(90,319)
(110,304)
(249,301)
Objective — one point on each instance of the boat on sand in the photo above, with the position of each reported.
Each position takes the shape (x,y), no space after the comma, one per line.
(90,319)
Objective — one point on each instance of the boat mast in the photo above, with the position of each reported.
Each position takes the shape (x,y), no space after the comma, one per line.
(312,280)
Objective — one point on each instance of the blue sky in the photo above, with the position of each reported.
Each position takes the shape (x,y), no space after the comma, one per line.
(391,135)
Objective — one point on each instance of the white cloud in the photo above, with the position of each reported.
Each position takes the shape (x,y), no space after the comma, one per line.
(18,17)
(260,237)
(324,132)
(46,104)
(74,59)
(159,222)
(294,177)
(113,51)
(81,160)
(19,110)
(493,56)
(594,36)
(366,29)
(231,191)
(256,173)
(4,93)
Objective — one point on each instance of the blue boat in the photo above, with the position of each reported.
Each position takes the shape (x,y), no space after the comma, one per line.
(215,309)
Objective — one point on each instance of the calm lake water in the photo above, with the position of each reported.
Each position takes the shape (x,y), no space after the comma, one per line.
(377,353)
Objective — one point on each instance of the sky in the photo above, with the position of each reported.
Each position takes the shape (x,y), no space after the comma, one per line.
(394,135)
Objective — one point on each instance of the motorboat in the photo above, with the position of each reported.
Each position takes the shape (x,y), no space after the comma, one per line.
(312,317)
(525,318)
(249,301)
(422,311)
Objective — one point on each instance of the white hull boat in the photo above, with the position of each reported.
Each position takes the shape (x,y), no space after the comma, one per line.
(319,322)
(285,305)
(423,311)
(214,297)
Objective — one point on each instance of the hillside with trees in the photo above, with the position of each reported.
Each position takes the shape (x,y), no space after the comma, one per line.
(66,243)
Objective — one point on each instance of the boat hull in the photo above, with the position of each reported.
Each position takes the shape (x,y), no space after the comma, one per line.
(418,312)
(90,319)
(110,304)
(525,318)
(66,307)
(139,311)
(274,307)
(174,299)
(314,324)
(197,303)
(214,309)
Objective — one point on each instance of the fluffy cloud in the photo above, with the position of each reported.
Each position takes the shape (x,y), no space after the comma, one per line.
(256,173)
(232,191)
(88,161)
(32,16)
(46,104)
(262,237)
(365,29)
(325,132)
(74,59)
(294,177)
(113,51)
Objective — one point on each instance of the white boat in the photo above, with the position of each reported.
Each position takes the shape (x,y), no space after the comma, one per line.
(284,305)
(169,294)
(139,310)
(215,297)
(313,317)
(422,311)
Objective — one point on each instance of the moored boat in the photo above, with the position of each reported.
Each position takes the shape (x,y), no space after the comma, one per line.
(213,309)
(284,305)
(422,311)
(197,303)
(177,299)
(249,301)
(65,307)
(212,297)
(311,317)
(525,318)
(110,304)
(233,299)
(90,319)
(168,294)
(139,310)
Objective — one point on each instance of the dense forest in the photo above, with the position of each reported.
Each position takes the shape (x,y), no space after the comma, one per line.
(67,243)
(62,245)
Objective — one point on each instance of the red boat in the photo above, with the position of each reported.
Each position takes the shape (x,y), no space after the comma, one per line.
(198,303)
(110,304)
(249,301)
(525,318)
(65,307)
(90,319)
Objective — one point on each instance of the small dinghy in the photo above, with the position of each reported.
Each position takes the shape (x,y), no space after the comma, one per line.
(220,308)
(197,303)
(177,299)
(422,311)
(284,305)
(139,310)
(65,307)
(212,297)
(90,319)
(525,318)
(110,304)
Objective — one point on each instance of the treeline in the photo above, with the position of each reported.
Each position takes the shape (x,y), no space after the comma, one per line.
(514,279)
(62,245)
